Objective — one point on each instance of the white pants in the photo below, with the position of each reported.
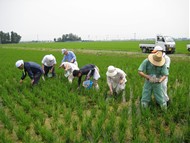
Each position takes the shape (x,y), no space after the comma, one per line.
(164,87)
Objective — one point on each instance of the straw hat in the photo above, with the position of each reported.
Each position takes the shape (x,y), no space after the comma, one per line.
(156,59)
(111,71)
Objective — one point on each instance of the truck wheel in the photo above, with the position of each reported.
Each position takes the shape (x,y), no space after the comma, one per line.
(189,49)
(144,50)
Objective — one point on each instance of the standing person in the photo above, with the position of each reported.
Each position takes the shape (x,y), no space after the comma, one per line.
(116,80)
(89,70)
(167,63)
(33,70)
(154,70)
(69,68)
(69,56)
(48,65)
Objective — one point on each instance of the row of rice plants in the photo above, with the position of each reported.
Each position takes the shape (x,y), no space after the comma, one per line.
(56,112)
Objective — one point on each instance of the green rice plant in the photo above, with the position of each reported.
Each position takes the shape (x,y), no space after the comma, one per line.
(21,132)
(22,118)
(122,130)
(4,138)
(37,127)
(47,135)
(37,116)
(67,116)
(109,128)
(6,121)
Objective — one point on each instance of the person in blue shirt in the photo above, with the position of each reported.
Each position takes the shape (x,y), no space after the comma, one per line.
(69,56)
(33,70)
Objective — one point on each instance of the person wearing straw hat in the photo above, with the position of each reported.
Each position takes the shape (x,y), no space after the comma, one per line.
(154,70)
(48,65)
(33,70)
(167,63)
(69,68)
(89,70)
(69,56)
(116,80)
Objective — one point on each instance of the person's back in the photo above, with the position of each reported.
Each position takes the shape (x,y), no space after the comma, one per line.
(35,68)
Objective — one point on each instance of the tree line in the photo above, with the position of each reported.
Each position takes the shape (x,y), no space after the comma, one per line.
(68,37)
(6,38)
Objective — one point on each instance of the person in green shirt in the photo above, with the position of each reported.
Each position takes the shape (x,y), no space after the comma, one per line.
(154,70)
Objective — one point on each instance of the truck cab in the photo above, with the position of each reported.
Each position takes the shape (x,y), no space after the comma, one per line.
(166,42)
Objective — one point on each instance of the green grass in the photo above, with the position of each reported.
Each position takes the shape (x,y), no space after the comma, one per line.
(128,46)
(55,111)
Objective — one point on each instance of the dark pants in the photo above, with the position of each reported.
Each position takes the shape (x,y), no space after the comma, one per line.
(47,69)
(37,77)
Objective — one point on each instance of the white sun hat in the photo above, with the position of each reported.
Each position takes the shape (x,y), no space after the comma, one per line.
(50,57)
(19,63)
(111,71)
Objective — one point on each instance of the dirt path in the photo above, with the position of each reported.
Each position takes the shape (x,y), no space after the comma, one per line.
(99,52)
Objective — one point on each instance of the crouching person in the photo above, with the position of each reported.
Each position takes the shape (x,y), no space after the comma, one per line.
(154,70)
(33,70)
(48,65)
(89,70)
(69,68)
(116,80)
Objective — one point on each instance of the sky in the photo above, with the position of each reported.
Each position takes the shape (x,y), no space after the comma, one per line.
(95,19)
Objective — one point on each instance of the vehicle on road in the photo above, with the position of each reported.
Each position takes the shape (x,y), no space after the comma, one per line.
(188,47)
(166,42)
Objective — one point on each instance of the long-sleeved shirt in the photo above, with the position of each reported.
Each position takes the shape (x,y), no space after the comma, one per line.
(69,57)
(31,68)
(48,62)
(87,70)
(114,81)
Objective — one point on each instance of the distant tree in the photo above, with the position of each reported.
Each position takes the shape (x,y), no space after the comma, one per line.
(59,39)
(15,38)
(68,37)
(6,38)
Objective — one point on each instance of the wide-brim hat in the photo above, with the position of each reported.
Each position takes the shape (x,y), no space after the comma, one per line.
(111,71)
(157,59)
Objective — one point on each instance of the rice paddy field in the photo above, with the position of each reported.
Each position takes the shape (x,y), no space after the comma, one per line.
(54,111)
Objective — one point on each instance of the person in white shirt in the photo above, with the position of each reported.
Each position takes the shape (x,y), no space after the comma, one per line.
(167,63)
(69,68)
(116,80)
(48,65)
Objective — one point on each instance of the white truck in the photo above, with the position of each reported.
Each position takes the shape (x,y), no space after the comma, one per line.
(166,42)
(188,47)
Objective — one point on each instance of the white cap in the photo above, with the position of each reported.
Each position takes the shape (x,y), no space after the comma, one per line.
(50,57)
(19,63)
(63,51)
(158,48)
